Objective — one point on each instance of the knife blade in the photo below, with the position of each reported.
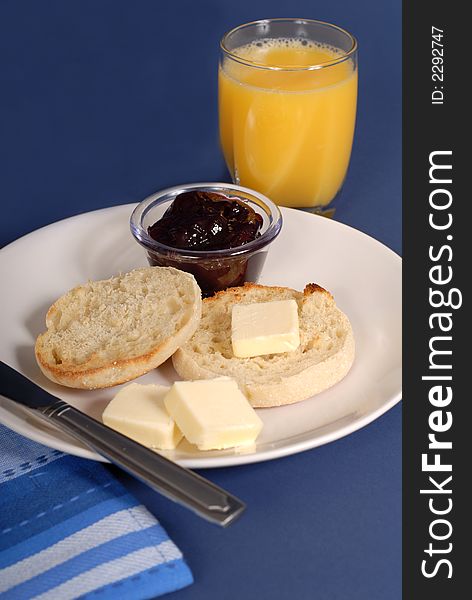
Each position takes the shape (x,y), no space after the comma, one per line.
(161,474)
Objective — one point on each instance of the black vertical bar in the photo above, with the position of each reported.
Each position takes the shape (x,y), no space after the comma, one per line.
(437,328)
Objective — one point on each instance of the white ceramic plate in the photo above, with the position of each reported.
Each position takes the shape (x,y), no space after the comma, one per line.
(363,275)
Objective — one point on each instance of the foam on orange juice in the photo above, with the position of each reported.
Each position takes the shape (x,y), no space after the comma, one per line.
(288,133)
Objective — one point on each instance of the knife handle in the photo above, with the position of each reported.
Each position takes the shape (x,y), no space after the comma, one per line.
(166,477)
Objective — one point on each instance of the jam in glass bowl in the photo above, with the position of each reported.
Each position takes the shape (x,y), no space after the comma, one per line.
(219,232)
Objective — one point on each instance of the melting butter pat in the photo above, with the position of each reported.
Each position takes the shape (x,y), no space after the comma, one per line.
(213,414)
(138,412)
(264,328)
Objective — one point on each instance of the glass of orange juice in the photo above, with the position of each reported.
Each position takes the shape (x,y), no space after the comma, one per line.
(287,108)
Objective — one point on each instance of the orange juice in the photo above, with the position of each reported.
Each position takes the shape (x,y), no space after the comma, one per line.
(287,132)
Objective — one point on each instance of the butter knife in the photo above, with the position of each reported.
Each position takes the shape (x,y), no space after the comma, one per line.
(181,485)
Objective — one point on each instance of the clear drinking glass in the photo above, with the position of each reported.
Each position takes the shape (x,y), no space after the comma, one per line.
(287,108)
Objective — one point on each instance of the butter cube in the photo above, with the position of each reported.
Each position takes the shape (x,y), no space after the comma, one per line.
(213,414)
(138,412)
(264,328)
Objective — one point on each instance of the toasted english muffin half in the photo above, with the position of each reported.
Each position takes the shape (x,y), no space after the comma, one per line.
(107,332)
(324,357)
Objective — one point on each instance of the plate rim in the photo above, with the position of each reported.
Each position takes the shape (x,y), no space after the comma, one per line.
(230,460)
(332,222)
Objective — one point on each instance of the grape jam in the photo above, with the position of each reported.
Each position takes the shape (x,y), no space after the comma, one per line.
(206,221)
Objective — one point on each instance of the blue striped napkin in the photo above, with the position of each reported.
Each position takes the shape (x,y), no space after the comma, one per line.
(69,529)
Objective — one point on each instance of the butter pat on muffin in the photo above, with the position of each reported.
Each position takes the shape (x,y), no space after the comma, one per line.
(264,328)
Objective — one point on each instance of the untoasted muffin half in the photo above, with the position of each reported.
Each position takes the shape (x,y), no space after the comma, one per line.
(107,332)
(324,357)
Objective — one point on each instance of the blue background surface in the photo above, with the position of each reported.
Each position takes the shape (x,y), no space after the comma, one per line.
(103,102)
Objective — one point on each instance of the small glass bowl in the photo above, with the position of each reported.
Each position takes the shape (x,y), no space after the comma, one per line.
(214,270)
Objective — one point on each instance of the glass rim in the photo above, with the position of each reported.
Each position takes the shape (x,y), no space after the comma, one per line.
(322,65)
(230,190)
